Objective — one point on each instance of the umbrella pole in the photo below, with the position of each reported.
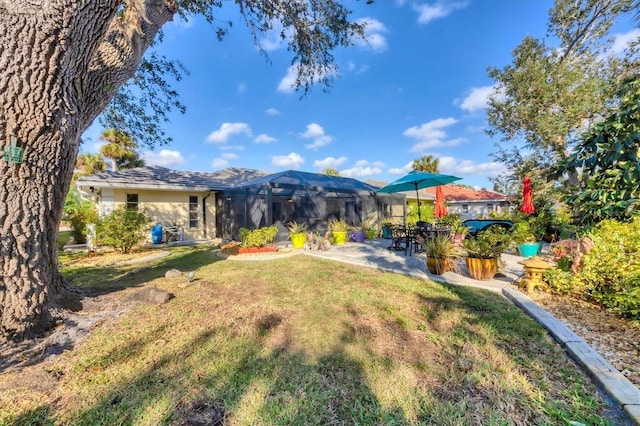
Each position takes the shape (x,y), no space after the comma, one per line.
(418,198)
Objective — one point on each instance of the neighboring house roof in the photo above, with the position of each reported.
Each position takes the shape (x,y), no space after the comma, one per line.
(457,193)
(156,177)
(162,178)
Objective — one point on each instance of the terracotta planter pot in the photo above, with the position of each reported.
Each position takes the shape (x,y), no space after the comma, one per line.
(482,269)
(298,240)
(437,266)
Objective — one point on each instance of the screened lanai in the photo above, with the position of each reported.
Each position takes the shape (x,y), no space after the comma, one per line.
(310,198)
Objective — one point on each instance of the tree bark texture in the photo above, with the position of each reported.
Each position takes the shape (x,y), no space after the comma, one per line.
(61,61)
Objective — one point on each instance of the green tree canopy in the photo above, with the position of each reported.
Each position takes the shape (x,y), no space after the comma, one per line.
(554,88)
(607,160)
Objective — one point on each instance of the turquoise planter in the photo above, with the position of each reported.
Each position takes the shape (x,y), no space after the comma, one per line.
(529,249)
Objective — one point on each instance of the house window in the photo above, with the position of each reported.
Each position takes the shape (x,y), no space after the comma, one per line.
(465,208)
(132,201)
(490,207)
(193,211)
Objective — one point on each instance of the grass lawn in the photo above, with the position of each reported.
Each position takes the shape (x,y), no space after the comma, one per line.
(301,340)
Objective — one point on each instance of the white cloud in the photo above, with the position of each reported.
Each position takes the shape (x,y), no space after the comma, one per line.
(232,148)
(452,166)
(229,155)
(431,134)
(373,34)
(264,138)
(421,147)
(291,161)
(219,163)
(477,99)
(429,12)
(622,40)
(361,168)
(316,133)
(273,40)
(242,88)
(164,158)
(227,130)
(288,82)
(401,170)
(272,111)
(329,163)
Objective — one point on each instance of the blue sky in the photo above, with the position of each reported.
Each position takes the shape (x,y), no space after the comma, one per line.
(417,88)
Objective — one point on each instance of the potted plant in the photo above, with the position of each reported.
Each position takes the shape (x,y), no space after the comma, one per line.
(387,227)
(358,233)
(442,254)
(339,229)
(524,236)
(458,229)
(484,250)
(369,227)
(297,233)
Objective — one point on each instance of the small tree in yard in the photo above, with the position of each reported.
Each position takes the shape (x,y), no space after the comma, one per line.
(122,229)
(78,213)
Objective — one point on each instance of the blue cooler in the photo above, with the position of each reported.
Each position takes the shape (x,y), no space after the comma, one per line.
(156,234)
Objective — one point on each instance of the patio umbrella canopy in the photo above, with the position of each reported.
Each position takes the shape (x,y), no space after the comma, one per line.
(527,197)
(440,209)
(416,180)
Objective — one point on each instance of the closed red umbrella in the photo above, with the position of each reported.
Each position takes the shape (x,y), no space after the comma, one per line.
(440,209)
(527,197)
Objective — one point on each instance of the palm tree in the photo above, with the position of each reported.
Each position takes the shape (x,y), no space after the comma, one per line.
(120,149)
(330,172)
(426,164)
(89,164)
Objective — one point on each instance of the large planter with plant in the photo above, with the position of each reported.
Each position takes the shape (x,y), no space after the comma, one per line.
(442,255)
(358,234)
(484,250)
(339,229)
(387,231)
(297,233)
(523,235)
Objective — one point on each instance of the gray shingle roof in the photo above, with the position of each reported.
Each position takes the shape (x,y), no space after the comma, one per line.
(156,177)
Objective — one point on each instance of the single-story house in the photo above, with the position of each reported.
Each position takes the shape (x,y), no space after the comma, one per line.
(470,203)
(217,204)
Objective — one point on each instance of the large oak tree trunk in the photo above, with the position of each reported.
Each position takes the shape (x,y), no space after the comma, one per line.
(61,62)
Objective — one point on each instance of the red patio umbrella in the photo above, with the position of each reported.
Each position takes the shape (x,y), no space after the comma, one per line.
(440,209)
(527,197)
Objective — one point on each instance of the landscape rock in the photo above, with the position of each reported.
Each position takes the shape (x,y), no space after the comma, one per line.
(151,295)
(172,273)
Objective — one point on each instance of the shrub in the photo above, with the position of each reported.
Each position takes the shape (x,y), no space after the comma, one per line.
(559,281)
(259,237)
(78,213)
(122,229)
(611,271)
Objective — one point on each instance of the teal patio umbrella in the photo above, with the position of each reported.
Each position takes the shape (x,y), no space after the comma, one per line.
(416,180)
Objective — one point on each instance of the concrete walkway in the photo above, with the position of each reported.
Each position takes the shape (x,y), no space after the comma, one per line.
(374,254)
